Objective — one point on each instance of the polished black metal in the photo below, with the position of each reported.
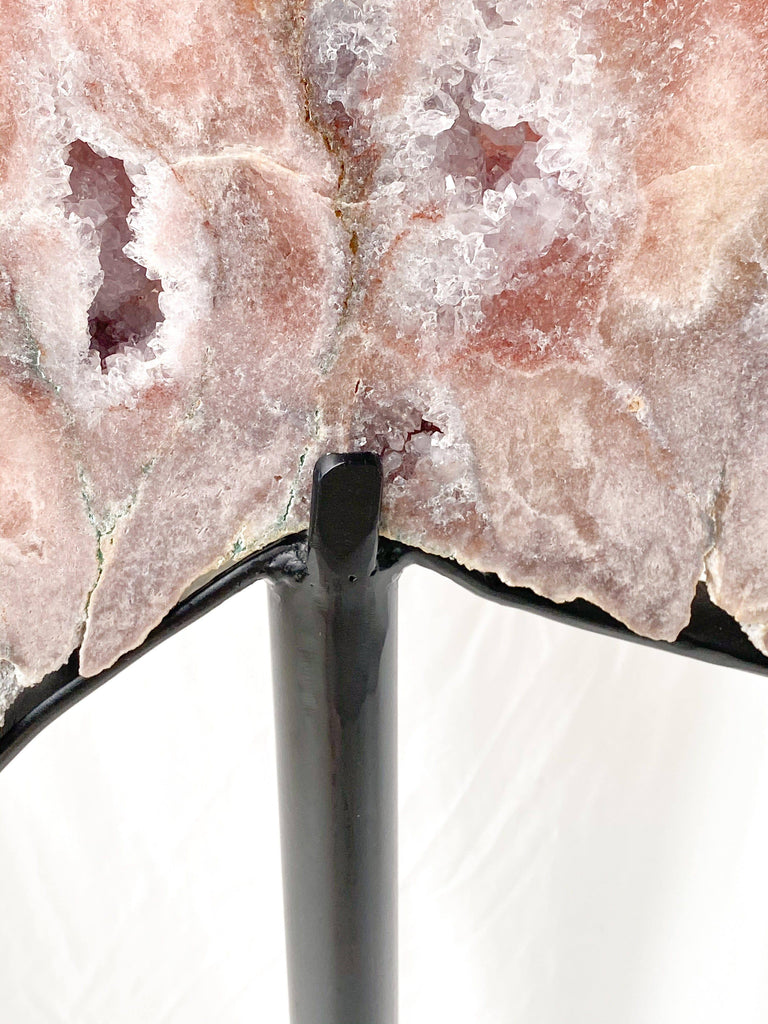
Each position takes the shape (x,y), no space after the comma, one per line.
(334,668)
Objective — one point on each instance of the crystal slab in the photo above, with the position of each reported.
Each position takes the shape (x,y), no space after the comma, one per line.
(516,248)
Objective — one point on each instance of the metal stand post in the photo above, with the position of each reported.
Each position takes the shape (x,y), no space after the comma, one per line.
(334,666)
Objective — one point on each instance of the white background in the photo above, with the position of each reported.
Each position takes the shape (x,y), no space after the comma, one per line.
(583,832)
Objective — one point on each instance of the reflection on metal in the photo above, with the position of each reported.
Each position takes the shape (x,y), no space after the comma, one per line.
(334,666)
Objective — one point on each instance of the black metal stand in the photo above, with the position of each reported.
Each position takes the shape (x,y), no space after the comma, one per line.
(332,613)
(334,666)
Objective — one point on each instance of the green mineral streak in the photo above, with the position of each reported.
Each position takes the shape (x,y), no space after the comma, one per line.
(30,353)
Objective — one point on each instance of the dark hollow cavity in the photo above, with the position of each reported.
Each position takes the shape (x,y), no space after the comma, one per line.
(126,309)
(471,148)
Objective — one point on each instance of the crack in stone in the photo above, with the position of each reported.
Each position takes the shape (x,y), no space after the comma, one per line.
(102,531)
(716,509)
(314,433)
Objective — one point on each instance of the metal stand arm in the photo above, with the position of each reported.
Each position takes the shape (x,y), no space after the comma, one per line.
(334,665)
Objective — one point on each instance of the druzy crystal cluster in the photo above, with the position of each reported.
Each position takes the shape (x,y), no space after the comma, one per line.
(518,248)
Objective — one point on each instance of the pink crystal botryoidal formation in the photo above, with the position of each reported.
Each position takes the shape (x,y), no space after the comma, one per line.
(518,248)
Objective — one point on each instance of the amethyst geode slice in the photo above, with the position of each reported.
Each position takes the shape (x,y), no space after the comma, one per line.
(516,247)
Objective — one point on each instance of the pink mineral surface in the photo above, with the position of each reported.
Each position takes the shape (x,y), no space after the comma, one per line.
(515,247)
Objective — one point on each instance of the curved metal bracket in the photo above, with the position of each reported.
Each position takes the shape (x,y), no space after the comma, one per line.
(711,635)
(38,706)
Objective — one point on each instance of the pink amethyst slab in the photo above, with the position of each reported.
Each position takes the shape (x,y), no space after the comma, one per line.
(516,248)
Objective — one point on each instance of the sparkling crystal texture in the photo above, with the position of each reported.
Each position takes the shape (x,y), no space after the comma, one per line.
(516,247)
